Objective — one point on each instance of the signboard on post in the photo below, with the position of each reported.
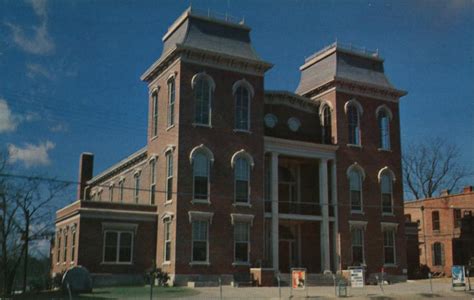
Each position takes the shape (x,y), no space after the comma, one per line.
(458,278)
(357,277)
(298,279)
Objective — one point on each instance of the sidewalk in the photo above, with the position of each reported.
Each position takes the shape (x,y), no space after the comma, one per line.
(419,289)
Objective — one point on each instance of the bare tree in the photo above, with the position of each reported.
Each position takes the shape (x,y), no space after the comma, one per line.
(25,215)
(430,167)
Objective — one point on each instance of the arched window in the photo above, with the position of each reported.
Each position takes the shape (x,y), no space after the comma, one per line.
(242,162)
(203,87)
(386,192)
(242,180)
(201,177)
(171,100)
(437,254)
(355,184)
(243,93)
(354,124)
(384,128)
(154,126)
(326,125)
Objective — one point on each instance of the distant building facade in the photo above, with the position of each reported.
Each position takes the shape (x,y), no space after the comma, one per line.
(234,176)
(445,230)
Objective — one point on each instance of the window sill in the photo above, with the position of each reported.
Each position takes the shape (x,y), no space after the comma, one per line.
(384,150)
(243,264)
(71,263)
(388,214)
(390,265)
(236,204)
(168,202)
(170,127)
(357,212)
(197,201)
(153,138)
(166,263)
(200,263)
(202,125)
(354,146)
(117,263)
(243,131)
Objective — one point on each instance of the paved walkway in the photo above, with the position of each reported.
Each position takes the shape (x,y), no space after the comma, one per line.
(419,289)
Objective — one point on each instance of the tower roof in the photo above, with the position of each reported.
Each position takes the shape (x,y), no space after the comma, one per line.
(338,62)
(198,31)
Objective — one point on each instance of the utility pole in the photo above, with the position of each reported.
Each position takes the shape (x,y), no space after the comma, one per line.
(424,233)
(27,239)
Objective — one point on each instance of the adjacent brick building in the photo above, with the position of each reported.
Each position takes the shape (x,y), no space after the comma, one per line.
(234,176)
(445,230)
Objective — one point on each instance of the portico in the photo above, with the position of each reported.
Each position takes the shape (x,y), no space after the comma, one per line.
(300,193)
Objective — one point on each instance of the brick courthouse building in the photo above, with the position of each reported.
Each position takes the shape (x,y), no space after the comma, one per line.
(234,176)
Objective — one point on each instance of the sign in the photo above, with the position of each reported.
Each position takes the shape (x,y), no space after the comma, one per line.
(458,279)
(298,279)
(357,277)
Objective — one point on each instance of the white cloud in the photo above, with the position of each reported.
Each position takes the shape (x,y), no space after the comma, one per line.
(59,127)
(8,121)
(39,42)
(31,155)
(34,70)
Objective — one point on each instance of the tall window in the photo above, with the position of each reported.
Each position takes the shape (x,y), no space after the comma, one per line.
(357,237)
(58,248)
(242,108)
(65,246)
(355,183)
(167,237)
(326,125)
(136,192)
(457,217)
(111,192)
(437,254)
(354,124)
(154,99)
(241,242)
(171,101)
(386,189)
(73,244)
(242,180)
(201,176)
(435,220)
(169,176)
(121,189)
(152,181)
(118,246)
(384,127)
(202,97)
(389,246)
(200,235)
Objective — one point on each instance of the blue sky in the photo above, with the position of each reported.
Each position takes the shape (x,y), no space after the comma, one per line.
(69,70)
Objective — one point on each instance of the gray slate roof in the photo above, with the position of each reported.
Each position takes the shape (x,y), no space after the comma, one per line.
(210,34)
(342,64)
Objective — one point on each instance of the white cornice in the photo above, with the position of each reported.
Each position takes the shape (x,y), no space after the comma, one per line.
(299,148)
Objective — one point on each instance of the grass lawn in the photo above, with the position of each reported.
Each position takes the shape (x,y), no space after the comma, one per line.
(131,292)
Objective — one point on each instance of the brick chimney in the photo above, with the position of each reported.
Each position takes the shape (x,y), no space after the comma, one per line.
(468,189)
(86,168)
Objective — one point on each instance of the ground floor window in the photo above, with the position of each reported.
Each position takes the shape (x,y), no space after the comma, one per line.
(389,246)
(118,246)
(241,242)
(357,237)
(200,234)
(167,247)
(438,254)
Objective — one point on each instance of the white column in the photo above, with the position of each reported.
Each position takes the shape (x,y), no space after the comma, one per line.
(324,200)
(336,251)
(274,198)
